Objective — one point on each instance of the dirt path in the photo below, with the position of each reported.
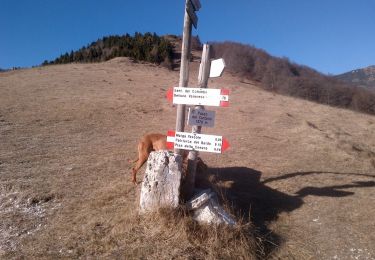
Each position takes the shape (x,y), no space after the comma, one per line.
(304,172)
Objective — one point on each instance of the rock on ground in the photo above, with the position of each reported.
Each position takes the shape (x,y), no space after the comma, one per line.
(161,184)
(207,210)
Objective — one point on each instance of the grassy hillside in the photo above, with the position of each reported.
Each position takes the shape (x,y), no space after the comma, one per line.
(285,77)
(300,175)
(272,73)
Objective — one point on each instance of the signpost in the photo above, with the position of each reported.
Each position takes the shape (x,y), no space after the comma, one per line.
(185,57)
(182,96)
(170,180)
(197,142)
(199,96)
(201,117)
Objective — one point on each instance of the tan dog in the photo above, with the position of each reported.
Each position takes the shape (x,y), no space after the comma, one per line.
(147,144)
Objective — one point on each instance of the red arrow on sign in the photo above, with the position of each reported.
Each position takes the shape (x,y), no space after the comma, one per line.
(225,145)
(224,93)
(170,145)
(170,94)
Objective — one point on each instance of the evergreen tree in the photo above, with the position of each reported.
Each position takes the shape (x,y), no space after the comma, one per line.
(141,47)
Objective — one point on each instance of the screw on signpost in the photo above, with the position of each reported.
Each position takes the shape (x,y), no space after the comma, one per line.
(204,72)
(189,19)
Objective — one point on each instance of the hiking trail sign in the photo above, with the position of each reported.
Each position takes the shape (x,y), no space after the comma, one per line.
(201,117)
(197,142)
(190,19)
(199,96)
(182,96)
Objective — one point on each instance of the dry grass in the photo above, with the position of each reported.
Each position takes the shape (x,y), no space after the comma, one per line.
(182,238)
(302,173)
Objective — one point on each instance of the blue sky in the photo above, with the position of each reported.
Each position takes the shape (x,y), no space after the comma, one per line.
(331,36)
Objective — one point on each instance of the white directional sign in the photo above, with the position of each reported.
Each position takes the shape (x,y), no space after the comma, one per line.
(201,117)
(197,142)
(199,96)
(217,68)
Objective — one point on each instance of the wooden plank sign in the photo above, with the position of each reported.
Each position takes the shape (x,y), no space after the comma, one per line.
(193,17)
(197,142)
(199,96)
(201,117)
(196,4)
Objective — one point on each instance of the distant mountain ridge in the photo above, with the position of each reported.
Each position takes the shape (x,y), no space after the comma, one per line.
(364,77)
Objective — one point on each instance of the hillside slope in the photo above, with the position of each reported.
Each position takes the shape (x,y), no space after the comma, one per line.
(273,73)
(360,77)
(285,77)
(304,172)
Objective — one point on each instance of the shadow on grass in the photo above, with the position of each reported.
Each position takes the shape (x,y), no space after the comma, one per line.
(252,199)
(295,174)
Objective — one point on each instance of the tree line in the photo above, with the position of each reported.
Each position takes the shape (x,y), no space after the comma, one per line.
(141,47)
(285,77)
(275,74)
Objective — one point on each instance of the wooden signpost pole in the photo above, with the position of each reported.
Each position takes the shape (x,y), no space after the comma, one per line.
(184,69)
(204,72)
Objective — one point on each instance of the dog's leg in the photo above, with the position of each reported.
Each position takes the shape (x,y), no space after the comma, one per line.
(138,165)
(142,158)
